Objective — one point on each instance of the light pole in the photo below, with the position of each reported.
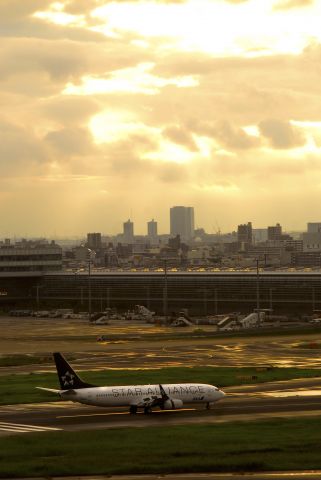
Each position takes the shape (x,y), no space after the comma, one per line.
(89,283)
(37,287)
(108,297)
(216,301)
(271,299)
(81,289)
(165,292)
(258,290)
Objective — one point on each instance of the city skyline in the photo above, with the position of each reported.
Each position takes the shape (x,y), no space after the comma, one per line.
(113,110)
(130,224)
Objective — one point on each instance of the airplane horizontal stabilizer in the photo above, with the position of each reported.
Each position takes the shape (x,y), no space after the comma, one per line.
(52,390)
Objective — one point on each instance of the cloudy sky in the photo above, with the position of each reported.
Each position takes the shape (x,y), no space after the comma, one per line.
(117,109)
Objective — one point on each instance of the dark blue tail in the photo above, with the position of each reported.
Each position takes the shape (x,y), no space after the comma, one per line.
(68,378)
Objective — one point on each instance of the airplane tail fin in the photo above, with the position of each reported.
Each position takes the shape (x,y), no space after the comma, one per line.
(68,378)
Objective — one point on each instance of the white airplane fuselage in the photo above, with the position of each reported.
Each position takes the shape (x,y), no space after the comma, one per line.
(120,396)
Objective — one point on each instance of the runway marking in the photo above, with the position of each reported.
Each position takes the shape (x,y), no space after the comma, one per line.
(24,428)
(268,406)
(122,413)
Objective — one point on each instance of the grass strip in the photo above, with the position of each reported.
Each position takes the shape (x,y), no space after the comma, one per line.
(21,388)
(20,360)
(232,447)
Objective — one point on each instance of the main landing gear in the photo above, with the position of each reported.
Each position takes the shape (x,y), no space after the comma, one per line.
(208,406)
(133,410)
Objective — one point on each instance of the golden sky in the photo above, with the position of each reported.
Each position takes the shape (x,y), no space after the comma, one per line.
(117,109)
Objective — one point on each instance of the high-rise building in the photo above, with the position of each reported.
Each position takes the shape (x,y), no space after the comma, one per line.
(94,240)
(244,234)
(128,232)
(152,229)
(182,222)
(275,233)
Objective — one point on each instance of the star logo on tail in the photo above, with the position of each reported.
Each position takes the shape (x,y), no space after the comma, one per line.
(68,379)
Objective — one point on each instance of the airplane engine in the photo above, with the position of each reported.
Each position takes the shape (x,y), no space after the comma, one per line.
(172,403)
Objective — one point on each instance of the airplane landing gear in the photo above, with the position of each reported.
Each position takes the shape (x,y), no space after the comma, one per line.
(132,409)
(147,410)
(208,407)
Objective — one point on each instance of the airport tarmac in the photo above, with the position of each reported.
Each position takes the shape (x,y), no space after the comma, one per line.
(76,337)
(239,405)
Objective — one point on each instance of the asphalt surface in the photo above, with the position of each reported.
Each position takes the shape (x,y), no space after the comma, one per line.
(279,399)
(134,349)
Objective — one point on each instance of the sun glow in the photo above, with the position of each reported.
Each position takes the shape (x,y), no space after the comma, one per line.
(218,28)
(171,153)
(117,125)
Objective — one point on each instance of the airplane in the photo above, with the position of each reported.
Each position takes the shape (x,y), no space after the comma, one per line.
(145,397)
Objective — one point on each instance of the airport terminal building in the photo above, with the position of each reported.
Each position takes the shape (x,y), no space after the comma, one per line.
(201,293)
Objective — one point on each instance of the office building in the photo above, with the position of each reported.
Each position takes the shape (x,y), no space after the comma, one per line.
(311,241)
(275,233)
(94,241)
(152,229)
(314,227)
(244,235)
(182,222)
(128,232)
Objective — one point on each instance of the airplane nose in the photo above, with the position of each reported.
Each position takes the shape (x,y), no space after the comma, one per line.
(222,394)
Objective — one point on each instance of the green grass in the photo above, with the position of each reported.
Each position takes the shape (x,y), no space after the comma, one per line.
(19,360)
(231,447)
(21,388)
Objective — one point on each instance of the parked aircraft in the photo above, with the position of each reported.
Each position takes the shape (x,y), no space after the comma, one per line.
(146,397)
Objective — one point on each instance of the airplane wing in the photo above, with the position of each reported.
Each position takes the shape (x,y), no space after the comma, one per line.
(155,400)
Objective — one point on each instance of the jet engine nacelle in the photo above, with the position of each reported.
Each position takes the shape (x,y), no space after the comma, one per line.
(173,403)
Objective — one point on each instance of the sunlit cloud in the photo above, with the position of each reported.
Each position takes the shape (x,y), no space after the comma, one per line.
(56,15)
(171,152)
(131,80)
(113,126)
(215,102)
(219,28)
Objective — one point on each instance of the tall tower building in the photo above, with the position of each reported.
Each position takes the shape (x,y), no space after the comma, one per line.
(152,229)
(128,232)
(182,222)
